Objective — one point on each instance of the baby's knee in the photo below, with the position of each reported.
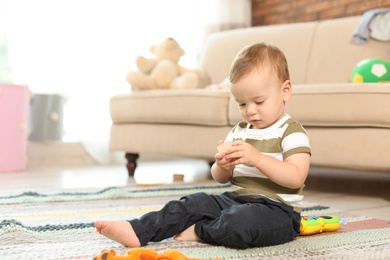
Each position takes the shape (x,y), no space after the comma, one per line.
(193,202)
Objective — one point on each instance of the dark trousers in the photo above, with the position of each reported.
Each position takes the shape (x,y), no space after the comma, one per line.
(226,219)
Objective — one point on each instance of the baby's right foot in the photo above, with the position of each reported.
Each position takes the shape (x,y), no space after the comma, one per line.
(119,231)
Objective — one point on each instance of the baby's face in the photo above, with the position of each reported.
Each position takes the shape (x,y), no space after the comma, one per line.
(261,97)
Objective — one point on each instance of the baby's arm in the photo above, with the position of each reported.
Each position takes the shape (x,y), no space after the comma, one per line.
(291,172)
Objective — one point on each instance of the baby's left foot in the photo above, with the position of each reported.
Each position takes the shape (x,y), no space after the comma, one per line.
(187,235)
(119,231)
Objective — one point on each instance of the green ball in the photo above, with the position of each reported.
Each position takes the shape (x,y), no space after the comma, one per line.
(371,70)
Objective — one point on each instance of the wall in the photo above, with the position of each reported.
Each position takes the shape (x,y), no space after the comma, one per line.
(266,12)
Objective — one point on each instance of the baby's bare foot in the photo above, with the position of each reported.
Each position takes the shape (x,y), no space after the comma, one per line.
(119,231)
(187,235)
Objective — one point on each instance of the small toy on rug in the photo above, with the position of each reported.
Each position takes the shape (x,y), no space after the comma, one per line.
(145,254)
(224,146)
(371,70)
(162,70)
(316,224)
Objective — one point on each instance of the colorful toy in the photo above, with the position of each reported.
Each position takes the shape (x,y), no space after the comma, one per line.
(316,224)
(144,254)
(371,70)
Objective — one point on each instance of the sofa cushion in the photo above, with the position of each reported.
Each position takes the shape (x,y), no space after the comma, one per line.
(195,106)
(336,105)
(334,54)
(345,105)
(293,39)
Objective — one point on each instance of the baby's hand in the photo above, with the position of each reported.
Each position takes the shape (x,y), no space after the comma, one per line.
(243,153)
(220,157)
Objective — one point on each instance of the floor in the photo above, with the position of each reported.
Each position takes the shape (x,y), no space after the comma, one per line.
(363,193)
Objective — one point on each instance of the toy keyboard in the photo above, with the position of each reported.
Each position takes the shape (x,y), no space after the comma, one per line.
(316,224)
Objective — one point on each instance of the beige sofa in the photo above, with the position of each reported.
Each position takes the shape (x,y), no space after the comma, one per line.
(348,124)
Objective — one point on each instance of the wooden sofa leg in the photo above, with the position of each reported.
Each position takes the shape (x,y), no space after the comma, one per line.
(131,162)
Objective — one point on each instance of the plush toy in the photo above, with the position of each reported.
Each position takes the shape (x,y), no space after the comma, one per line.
(371,70)
(223,85)
(163,70)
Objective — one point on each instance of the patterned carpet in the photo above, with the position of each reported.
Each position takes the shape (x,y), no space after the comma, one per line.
(59,225)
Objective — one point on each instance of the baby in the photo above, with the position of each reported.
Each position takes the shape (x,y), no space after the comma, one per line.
(266,158)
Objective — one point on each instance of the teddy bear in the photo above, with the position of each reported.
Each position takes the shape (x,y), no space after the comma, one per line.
(163,71)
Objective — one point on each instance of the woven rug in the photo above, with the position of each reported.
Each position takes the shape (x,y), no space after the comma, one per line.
(59,225)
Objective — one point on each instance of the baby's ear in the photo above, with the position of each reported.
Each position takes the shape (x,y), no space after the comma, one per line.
(287,90)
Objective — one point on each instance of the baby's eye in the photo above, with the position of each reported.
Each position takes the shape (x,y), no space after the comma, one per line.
(241,104)
(259,102)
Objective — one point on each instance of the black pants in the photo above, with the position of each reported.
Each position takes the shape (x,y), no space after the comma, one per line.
(226,219)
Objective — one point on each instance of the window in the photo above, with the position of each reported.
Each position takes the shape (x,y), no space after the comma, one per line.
(83,49)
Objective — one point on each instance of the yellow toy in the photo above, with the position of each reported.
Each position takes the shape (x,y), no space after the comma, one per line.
(313,224)
(144,254)
(163,70)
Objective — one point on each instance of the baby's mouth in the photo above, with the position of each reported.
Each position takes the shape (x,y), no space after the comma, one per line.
(254,121)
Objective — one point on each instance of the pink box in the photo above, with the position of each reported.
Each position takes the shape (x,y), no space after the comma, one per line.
(14,108)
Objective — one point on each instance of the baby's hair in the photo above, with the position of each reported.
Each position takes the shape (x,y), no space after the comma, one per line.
(259,54)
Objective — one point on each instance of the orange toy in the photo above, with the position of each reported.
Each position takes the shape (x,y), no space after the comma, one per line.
(144,254)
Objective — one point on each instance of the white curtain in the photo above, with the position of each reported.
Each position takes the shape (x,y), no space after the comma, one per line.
(221,15)
(83,49)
